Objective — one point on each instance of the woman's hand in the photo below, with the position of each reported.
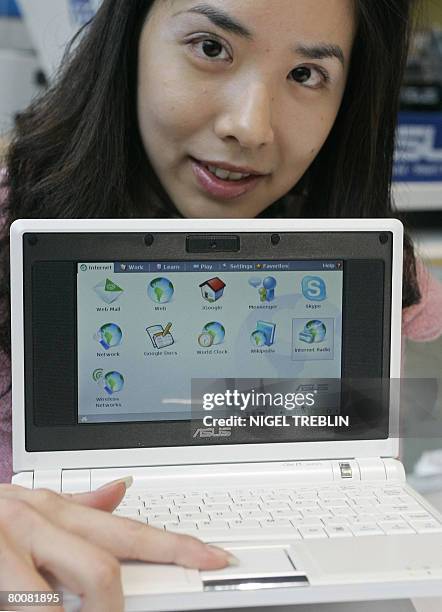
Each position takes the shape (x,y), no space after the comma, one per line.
(75,540)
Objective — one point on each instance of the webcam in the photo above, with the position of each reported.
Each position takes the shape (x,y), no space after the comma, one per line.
(213,244)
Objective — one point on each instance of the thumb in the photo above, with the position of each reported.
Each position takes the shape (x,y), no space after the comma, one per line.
(107,497)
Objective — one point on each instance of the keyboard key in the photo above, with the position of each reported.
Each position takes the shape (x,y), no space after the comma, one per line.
(181,527)
(240,499)
(288,514)
(193,516)
(307,495)
(248,524)
(319,512)
(395,527)
(133,503)
(303,503)
(332,501)
(216,524)
(360,495)
(193,499)
(155,509)
(254,514)
(368,518)
(338,531)
(269,523)
(276,505)
(367,510)
(161,517)
(311,521)
(217,499)
(366,529)
(149,502)
(186,508)
(401,507)
(390,491)
(129,512)
(220,514)
(312,532)
(427,526)
(172,494)
(395,499)
(418,515)
(390,516)
(343,520)
(218,506)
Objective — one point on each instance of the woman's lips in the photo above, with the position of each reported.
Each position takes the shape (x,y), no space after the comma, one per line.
(220,188)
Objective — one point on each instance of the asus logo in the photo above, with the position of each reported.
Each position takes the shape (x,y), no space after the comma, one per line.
(213,432)
(312,388)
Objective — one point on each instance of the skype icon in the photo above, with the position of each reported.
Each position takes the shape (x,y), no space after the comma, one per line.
(313,289)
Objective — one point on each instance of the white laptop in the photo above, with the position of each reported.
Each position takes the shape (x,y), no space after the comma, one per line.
(130,340)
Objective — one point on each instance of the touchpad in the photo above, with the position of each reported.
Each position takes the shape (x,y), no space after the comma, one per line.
(259,567)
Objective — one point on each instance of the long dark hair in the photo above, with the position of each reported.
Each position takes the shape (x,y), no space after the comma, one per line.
(77,152)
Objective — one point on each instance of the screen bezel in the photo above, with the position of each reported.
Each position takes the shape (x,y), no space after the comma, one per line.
(72,248)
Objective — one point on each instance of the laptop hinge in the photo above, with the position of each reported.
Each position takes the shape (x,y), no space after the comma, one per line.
(23,479)
(48,479)
(379,468)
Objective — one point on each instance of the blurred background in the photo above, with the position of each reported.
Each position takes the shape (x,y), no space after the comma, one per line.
(33,37)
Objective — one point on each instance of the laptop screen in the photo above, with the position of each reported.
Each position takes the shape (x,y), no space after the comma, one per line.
(125,332)
(146,329)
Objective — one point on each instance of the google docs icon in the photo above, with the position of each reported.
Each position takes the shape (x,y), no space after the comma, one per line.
(313,288)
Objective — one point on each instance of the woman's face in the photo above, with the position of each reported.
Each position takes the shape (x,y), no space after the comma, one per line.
(251,84)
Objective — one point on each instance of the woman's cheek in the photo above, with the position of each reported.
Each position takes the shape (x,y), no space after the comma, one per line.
(178,110)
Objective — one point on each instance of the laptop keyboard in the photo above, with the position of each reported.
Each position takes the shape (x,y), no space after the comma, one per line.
(297,513)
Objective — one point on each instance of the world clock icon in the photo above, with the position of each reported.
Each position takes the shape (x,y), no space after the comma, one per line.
(205,339)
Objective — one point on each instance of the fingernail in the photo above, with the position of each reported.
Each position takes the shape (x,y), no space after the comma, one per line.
(127,480)
(232,560)
(220,552)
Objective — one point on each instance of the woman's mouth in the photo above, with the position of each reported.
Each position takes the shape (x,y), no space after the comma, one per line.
(224,188)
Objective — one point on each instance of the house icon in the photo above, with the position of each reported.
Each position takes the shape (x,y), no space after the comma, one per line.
(212,289)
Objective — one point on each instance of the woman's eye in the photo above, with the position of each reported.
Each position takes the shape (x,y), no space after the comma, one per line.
(209,48)
(309,76)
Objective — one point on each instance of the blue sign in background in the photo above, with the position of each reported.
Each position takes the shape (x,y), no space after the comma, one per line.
(419,148)
(9,8)
(83,10)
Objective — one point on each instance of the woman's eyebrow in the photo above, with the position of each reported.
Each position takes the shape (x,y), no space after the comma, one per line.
(228,23)
(221,19)
(321,51)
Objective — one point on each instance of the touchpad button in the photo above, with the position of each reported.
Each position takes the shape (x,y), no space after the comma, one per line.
(259,567)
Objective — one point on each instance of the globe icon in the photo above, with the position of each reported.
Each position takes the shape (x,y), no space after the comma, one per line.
(216,330)
(113,382)
(160,290)
(317,330)
(109,335)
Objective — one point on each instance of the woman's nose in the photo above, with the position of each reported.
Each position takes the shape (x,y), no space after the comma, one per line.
(248,118)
